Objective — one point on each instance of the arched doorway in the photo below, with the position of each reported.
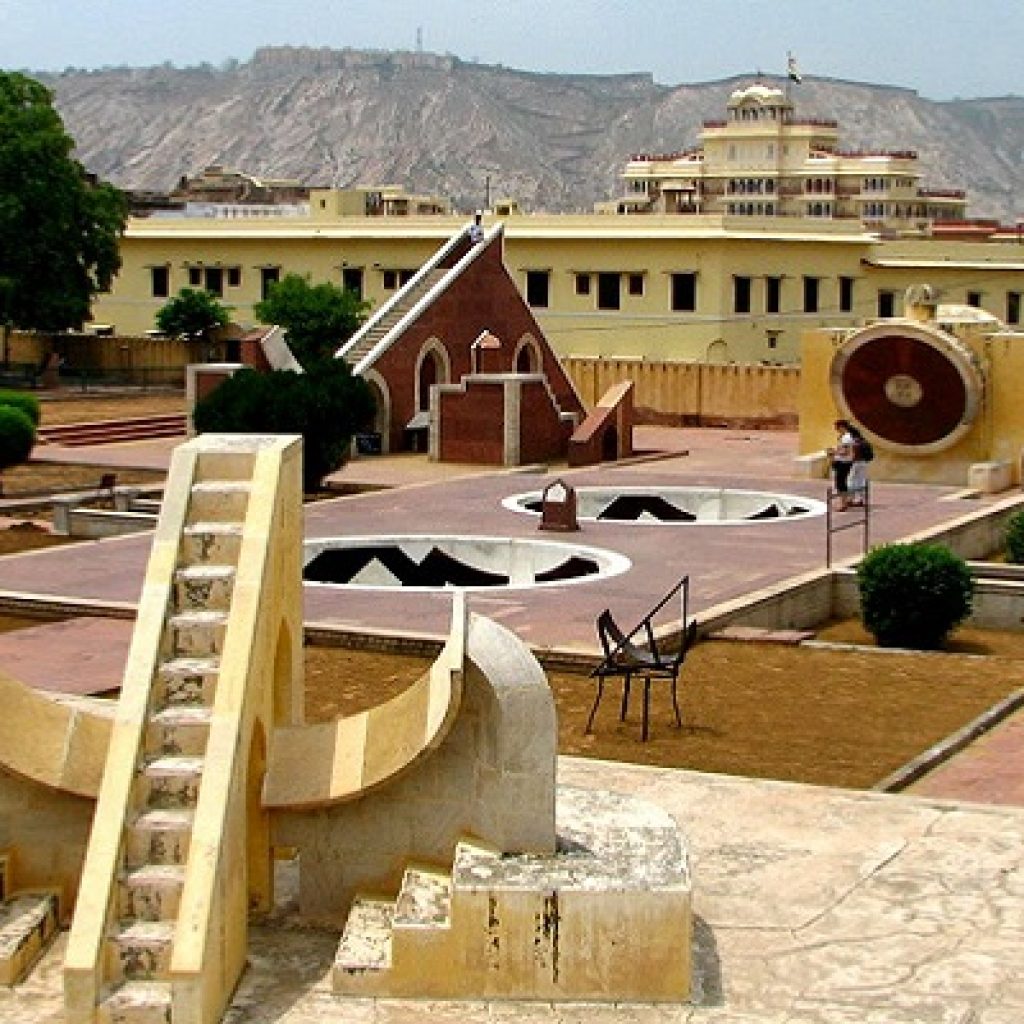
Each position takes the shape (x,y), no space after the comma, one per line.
(432,369)
(429,375)
(381,426)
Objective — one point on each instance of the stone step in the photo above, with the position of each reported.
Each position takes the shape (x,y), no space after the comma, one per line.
(365,945)
(207,543)
(28,921)
(424,899)
(196,633)
(140,950)
(203,586)
(226,464)
(151,892)
(159,836)
(219,501)
(186,681)
(137,1002)
(172,782)
(180,729)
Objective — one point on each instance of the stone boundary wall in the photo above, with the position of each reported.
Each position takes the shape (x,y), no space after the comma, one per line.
(694,394)
(115,353)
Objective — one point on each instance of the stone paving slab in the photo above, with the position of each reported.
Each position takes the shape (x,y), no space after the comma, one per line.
(82,656)
(989,770)
(812,905)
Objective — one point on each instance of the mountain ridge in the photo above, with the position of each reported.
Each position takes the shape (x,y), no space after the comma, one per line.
(436,123)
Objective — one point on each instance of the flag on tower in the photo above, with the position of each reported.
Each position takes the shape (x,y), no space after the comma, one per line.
(792,70)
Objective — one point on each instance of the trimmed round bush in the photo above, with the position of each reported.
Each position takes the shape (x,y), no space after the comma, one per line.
(914,595)
(17,436)
(26,403)
(326,406)
(1015,538)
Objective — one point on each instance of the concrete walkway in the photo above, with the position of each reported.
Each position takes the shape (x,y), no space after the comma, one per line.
(813,906)
(723,562)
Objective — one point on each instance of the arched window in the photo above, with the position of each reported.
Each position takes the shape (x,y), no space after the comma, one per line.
(527,357)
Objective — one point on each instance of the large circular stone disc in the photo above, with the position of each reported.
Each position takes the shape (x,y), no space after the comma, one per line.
(910,388)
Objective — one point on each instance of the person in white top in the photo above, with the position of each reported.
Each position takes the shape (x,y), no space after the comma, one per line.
(858,478)
(842,462)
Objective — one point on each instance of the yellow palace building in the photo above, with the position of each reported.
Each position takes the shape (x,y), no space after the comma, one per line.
(701,288)
(729,265)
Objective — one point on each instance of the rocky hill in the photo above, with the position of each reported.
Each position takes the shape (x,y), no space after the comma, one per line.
(438,124)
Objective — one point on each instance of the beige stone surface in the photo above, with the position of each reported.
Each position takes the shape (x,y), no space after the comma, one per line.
(813,906)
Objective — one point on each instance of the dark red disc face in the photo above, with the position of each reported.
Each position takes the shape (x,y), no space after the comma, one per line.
(904,390)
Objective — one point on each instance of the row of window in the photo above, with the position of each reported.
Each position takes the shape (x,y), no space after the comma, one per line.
(683,293)
(682,289)
(751,209)
(216,279)
(608,287)
(756,186)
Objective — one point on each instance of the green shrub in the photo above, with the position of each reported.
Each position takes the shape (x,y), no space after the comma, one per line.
(913,595)
(17,436)
(1015,538)
(326,406)
(27,403)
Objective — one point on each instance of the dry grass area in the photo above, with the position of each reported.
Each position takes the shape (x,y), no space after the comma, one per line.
(35,478)
(831,717)
(60,407)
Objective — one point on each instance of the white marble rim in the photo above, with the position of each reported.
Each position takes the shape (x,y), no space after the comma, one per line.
(487,553)
(591,500)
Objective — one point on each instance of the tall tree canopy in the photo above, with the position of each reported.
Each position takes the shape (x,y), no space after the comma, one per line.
(317,317)
(59,227)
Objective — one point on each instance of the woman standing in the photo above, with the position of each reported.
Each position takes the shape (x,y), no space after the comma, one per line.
(857,481)
(842,462)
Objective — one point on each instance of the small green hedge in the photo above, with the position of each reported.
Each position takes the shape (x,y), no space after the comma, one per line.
(914,595)
(1015,538)
(28,404)
(17,436)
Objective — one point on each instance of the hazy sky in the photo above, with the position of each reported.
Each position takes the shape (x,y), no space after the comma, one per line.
(941,48)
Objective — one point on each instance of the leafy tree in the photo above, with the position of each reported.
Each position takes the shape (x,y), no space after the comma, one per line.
(914,595)
(317,317)
(59,227)
(193,315)
(326,406)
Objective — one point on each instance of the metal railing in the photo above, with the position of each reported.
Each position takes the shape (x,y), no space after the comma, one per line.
(856,501)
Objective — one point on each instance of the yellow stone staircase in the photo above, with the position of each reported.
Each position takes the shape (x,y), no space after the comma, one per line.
(160,927)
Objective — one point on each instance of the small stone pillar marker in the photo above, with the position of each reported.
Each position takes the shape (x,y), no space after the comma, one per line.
(558,508)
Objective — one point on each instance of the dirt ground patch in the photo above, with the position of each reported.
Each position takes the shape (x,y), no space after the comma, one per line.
(29,537)
(843,718)
(35,478)
(60,407)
